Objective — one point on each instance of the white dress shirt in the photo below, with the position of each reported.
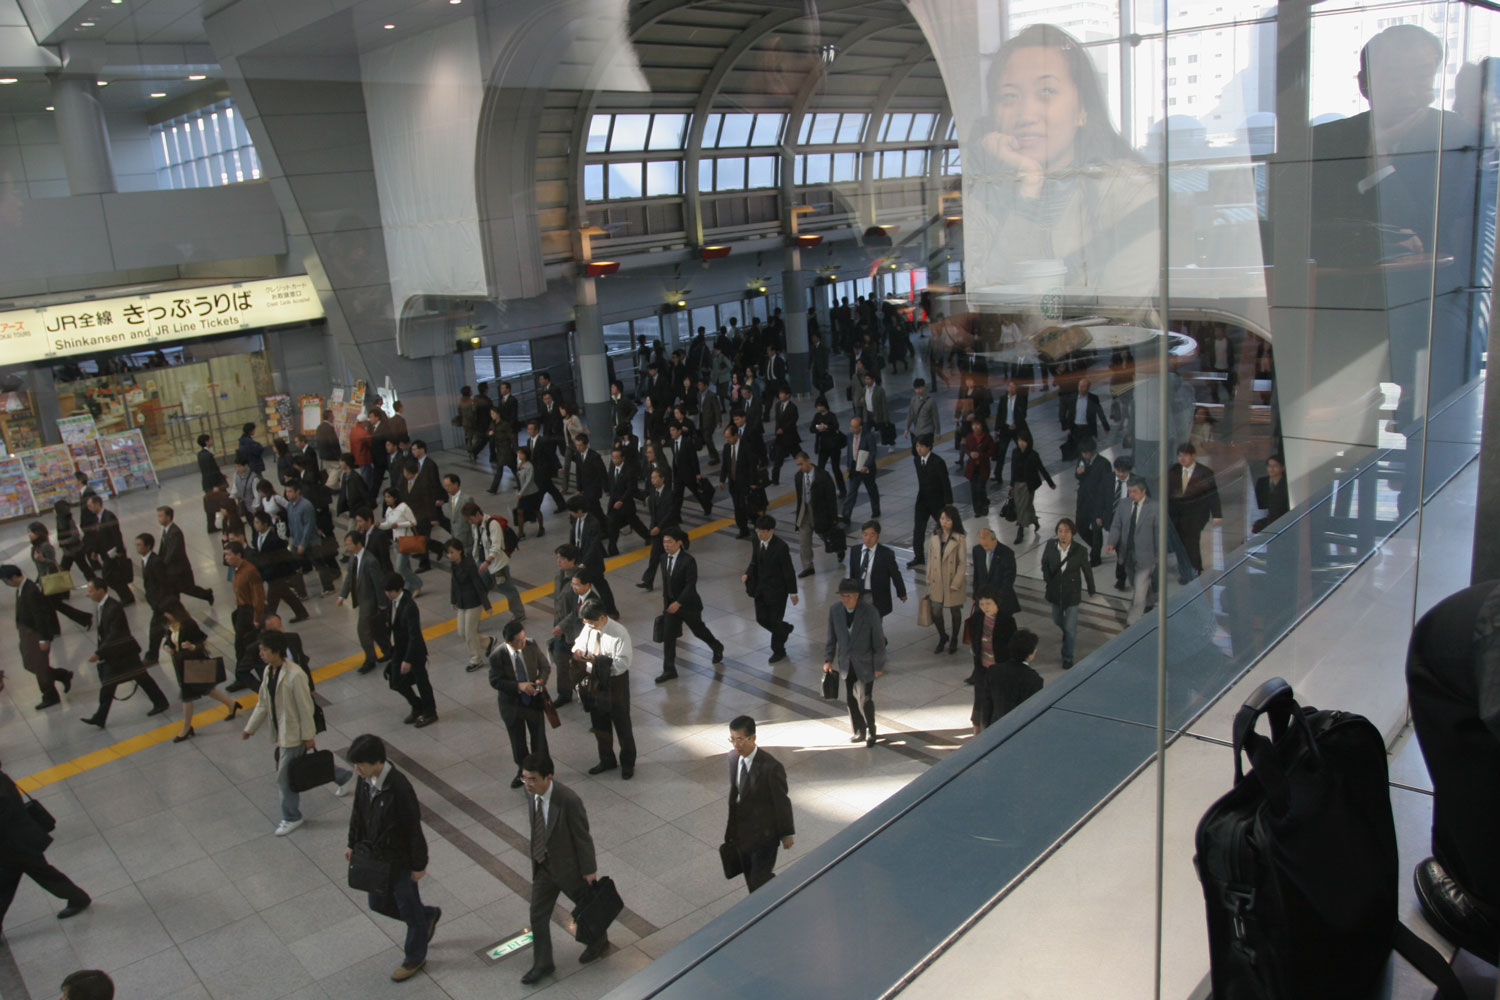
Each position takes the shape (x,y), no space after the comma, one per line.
(612,641)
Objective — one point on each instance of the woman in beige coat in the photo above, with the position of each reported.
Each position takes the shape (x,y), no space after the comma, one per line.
(947,575)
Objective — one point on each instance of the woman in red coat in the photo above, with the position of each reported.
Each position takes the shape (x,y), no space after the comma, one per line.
(979,447)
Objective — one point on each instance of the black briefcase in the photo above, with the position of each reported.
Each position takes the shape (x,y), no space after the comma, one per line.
(729,857)
(40,815)
(666,627)
(368,870)
(310,770)
(596,910)
(831,684)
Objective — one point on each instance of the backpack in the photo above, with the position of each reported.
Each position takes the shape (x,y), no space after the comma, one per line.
(1298,861)
(508,538)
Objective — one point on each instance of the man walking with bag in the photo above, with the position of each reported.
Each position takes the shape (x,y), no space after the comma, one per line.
(36,627)
(385,829)
(760,811)
(22,847)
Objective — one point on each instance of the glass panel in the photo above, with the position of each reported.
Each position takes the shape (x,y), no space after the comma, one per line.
(825,129)
(951,162)
(852,128)
(706,175)
(703,316)
(803,133)
(767,130)
(921,127)
(819,168)
(916,162)
(593,182)
(736,131)
(762,172)
(896,128)
(598,140)
(711,131)
(617,336)
(624,180)
(629,133)
(667,131)
(663,177)
(731,173)
(890,163)
(845,166)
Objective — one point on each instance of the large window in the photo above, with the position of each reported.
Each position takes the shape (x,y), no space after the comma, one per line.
(632,179)
(629,133)
(204,148)
(738,173)
(824,128)
(734,131)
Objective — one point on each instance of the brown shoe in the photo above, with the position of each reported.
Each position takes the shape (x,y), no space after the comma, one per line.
(405,972)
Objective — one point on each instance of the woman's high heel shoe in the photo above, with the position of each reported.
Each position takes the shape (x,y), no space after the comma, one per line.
(184,737)
(233,711)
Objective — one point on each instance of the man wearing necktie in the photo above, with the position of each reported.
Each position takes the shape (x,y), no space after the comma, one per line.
(760,810)
(770,580)
(874,566)
(1124,467)
(787,439)
(518,672)
(681,604)
(1134,538)
(738,474)
(817,512)
(562,859)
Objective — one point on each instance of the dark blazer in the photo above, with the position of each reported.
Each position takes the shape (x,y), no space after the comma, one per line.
(465,588)
(824,502)
(114,644)
(857,645)
(105,535)
(272,557)
(22,842)
(934,490)
(592,476)
(746,464)
(681,585)
(158,585)
(1003,687)
(1274,500)
(1005,631)
(353,494)
(35,612)
(1065,579)
(622,480)
(395,428)
(570,848)
(508,409)
(865,440)
(883,575)
(1094,413)
(765,814)
(1022,398)
(390,821)
(425,493)
(685,466)
(1000,574)
(208,469)
(1191,509)
(173,553)
(407,644)
(326,442)
(787,435)
(1096,487)
(1026,467)
(503,676)
(662,511)
(192,634)
(591,549)
(772,577)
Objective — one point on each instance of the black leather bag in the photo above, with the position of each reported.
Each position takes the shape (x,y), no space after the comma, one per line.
(310,770)
(40,815)
(368,871)
(831,684)
(596,910)
(729,857)
(666,627)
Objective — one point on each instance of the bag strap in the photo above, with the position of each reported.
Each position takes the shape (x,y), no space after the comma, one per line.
(1429,962)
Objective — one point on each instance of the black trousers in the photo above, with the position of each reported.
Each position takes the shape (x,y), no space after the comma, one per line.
(416,688)
(281,589)
(770,614)
(739,496)
(148,685)
(657,555)
(1092,535)
(618,520)
(527,720)
(155,633)
(610,717)
(693,622)
(921,511)
(1189,533)
(545,888)
(758,863)
(36,868)
(861,700)
(827,457)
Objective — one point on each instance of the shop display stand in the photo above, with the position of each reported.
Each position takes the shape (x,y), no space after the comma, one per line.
(49,472)
(15,492)
(128,461)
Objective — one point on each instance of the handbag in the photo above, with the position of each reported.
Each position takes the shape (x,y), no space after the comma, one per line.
(60,582)
(830,685)
(1008,509)
(666,627)
(598,908)
(549,710)
(924,611)
(310,770)
(40,815)
(729,857)
(411,544)
(368,871)
(203,671)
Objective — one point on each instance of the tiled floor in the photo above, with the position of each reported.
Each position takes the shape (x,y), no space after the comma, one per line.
(194,897)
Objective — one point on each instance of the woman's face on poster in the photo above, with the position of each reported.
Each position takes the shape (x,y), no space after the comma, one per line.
(1037,106)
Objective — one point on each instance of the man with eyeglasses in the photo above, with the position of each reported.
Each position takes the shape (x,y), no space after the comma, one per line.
(760,810)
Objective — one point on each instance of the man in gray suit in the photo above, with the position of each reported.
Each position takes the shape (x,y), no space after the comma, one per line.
(364,582)
(453,511)
(921,415)
(565,621)
(856,642)
(562,859)
(1134,537)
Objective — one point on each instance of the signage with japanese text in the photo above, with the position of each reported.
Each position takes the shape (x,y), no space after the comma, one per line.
(158,317)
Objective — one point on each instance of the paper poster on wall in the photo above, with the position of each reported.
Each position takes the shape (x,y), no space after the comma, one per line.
(312,412)
(337,396)
(15,493)
(357,397)
(88,460)
(49,471)
(279,415)
(345,417)
(78,430)
(128,461)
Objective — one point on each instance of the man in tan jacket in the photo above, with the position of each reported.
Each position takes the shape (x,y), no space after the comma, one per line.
(286,698)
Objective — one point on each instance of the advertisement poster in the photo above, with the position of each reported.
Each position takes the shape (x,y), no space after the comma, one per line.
(345,417)
(357,397)
(49,471)
(312,413)
(78,430)
(279,416)
(128,461)
(15,494)
(88,460)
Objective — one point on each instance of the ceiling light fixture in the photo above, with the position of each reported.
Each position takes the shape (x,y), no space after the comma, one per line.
(159,93)
(102,83)
(7,79)
(49,108)
(198,76)
(390,27)
(85,24)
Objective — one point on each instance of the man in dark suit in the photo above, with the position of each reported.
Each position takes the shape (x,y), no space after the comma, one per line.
(1095,496)
(160,594)
(208,474)
(934,492)
(22,852)
(36,627)
(423,494)
(680,603)
(874,566)
(518,673)
(592,477)
(562,859)
(817,512)
(508,408)
(407,669)
(365,583)
(786,439)
(687,474)
(856,648)
(269,552)
(993,567)
(105,544)
(1082,417)
(662,514)
(860,471)
(1192,502)
(117,654)
(1010,417)
(173,552)
(770,580)
(760,810)
(739,473)
(587,533)
(620,503)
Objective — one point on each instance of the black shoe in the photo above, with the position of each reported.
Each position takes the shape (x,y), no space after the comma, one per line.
(942,642)
(719,655)
(158,709)
(516,781)
(536,974)
(1067,664)
(411,717)
(1120,585)
(364,668)
(952,646)
(644,584)
(593,951)
(743,534)
(626,773)
(858,737)
(1020,536)
(870,741)
(47,703)
(601,767)
(423,721)
(777,656)
(915,563)
(299,618)
(184,737)
(806,573)
(565,699)
(73,909)
(470,668)
(65,678)
(666,675)
(1458,916)
(149,661)
(93,720)
(437,914)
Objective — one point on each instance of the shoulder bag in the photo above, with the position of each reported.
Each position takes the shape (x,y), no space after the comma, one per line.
(60,582)
(368,871)
(924,611)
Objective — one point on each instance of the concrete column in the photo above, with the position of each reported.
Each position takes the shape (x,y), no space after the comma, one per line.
(83,135)
(822,305)
(593,366)
(794,312)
